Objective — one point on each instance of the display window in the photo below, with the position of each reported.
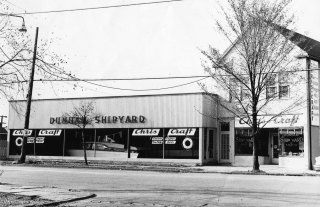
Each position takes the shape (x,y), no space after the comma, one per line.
(44,142)
(291,142)
(244,142)
(146,143)
(181,143)
(160,143)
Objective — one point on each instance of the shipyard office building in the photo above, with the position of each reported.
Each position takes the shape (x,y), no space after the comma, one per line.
(176,127)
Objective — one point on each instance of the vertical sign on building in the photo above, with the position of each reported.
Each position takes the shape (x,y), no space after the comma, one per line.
(314,73)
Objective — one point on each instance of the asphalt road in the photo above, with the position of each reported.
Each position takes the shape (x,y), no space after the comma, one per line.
(138,188)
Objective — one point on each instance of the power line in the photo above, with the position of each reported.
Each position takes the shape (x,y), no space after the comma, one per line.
(100,7)
(126,79)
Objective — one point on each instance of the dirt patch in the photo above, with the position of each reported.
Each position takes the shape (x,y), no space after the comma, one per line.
(110,165)
(10,199)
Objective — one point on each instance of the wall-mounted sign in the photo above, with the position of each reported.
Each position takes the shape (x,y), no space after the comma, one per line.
(99,119)
(20,132)
(292,120)
(145,132)
(182,132)
(50,132)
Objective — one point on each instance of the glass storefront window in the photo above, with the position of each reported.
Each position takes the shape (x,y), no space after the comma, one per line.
(168,143)
(44,142)
(291,142)
(244,142)
(111,140)
(181,143)
(73,141)
(147,143)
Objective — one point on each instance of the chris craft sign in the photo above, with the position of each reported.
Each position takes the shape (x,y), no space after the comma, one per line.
(145,132)
(182,132)
(42,132)
(279,121)
(99,119)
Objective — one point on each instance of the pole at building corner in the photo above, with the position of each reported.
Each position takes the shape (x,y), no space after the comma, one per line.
(29,97)
(309,118)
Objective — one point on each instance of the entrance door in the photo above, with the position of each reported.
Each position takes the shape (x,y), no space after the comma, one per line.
(275,151)
(225,147)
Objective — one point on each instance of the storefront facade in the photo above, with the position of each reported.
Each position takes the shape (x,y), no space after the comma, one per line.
(283,141)
(175,127)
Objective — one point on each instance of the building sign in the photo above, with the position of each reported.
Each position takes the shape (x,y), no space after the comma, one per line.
(145,132)
(314,83)
(170,140)
(22,132)
(293,120)
(99,119)
(182,132)
(157,140)
(50,132)
(39,140)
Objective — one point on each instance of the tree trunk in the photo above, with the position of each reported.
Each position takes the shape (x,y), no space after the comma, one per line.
(256,166)
(22,158)
(84,147)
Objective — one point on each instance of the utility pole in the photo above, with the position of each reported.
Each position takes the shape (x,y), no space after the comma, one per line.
(29,97)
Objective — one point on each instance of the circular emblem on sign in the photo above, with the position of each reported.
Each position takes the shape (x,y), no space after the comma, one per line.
(19,141)
(187,143)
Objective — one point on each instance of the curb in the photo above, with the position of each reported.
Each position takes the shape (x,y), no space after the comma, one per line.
(258,173)
(56,203)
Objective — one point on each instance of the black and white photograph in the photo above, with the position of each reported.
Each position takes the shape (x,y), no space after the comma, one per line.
(160,103)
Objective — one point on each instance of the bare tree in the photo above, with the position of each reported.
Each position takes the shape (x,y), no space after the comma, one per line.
(259,56)
(81,116)
(16,59)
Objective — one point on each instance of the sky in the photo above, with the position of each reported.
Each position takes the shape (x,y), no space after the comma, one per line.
(155,40)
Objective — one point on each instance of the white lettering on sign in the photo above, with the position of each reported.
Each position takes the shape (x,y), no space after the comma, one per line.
(20,132)
(182,132)
(40,140)
(269,122)
(157,140)
(50,132)
(30,140)
(145,132)
(170,140)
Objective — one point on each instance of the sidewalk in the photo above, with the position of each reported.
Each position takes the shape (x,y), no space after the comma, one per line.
(265,170)
(53,196)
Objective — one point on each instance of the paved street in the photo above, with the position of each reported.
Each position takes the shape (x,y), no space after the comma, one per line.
(136,188)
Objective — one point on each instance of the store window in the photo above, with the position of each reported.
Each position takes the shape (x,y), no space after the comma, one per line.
(74,142)
(244,142)
(181,143)
(169,143)
(147,143)
(291,142)
(44,142)
(111,140)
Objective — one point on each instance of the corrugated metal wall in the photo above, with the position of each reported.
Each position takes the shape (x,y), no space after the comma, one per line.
(176,110)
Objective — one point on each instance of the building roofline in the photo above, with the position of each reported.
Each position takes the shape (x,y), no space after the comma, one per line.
(109,97)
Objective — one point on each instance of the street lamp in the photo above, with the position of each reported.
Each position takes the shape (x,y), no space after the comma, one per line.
(22,158)
(23,26)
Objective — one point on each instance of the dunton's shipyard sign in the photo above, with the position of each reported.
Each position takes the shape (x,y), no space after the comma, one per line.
(99,120)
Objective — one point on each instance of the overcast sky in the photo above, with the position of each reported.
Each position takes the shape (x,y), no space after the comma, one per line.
(139,41)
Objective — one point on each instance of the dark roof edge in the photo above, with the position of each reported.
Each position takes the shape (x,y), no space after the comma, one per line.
(109,97)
